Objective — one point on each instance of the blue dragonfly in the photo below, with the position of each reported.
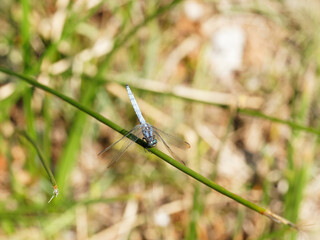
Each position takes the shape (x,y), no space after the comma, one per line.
(148,133)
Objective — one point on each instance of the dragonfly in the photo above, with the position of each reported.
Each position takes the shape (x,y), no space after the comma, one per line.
(150,135)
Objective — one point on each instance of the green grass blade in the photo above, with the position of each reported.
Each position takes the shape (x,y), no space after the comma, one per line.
(291,124)
(196,211)
(155,151)
(43,162)
(30,121)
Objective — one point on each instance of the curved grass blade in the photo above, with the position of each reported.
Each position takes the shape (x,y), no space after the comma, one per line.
(43,162)
(155,151)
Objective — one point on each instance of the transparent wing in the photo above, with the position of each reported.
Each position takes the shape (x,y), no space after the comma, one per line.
(168,148)
(127,142)
(172,140)
(118,154)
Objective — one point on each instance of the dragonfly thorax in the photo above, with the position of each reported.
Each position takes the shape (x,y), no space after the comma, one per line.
(148,135)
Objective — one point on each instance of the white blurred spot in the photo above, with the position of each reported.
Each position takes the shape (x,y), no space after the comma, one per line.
(58,21)
(15,56)
(60,67)
(62,3)
(6,90)
(93,3)
(227,50)
(161,219)
(44,79)
(102,46)
(193,10)
(283,186)
(7,129)
(45,28)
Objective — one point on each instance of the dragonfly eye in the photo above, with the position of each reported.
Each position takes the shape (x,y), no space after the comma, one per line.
(153,143)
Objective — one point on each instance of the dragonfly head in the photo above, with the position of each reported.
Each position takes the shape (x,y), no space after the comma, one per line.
(152,143)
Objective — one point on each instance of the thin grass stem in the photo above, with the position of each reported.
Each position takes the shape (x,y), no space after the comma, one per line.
(43,162)
(155,151)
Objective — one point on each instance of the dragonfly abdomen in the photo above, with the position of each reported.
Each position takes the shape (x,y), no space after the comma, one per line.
(135,106)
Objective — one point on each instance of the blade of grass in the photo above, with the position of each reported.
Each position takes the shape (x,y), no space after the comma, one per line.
(48,120)
(196,211)
(27,95)
(298,172)
(37,210)
(155,151)
(43,162)
(30,122)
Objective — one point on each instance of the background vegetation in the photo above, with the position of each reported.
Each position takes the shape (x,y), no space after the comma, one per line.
(220,74)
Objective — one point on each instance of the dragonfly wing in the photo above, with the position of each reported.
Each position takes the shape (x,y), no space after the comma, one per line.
(172,140)
(117,155)
(132,131)
(168,148)
(131,138)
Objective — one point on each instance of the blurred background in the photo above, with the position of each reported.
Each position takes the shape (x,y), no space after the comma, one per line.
(210,72)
